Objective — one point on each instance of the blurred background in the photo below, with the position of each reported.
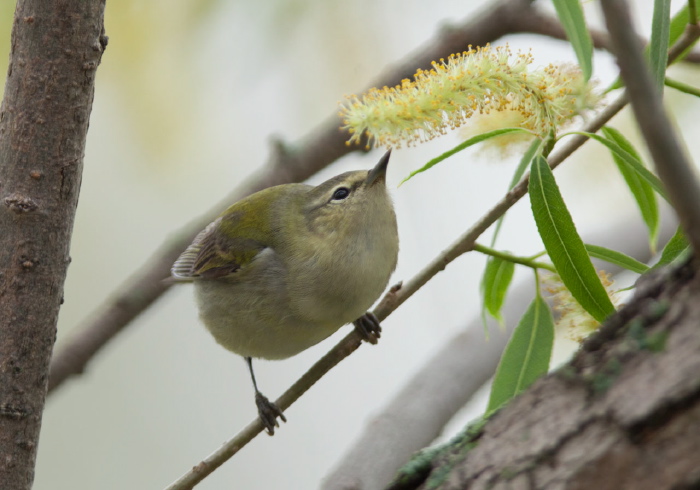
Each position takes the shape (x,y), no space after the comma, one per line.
(187,99)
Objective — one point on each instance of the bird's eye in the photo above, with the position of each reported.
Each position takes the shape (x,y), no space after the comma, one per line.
(340,194)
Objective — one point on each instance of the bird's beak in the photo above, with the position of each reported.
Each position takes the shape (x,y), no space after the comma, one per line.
(378,173)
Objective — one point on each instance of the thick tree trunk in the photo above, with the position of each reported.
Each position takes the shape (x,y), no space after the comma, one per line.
(56,48)
(623,414)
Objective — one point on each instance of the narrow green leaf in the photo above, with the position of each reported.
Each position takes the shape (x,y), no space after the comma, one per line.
(466,144)
(617,258)
(677,25)
(571,16)
(658,44)
(641,190)
(676,28)
(679,22)
(563,243)
(526,357)
(629,160)
(682,87)
(534,149)
(494,285)
(525,161)
(676,246)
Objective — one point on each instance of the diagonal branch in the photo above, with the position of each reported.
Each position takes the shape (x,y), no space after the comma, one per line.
(624,415)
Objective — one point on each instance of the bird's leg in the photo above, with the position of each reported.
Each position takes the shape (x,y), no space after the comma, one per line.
(368,327)
(267,410)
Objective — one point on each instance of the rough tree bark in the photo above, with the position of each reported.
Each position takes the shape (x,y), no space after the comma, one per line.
(623,414)
(56,48)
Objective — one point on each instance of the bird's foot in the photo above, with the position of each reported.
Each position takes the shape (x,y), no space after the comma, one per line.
(368,327)
(268,413)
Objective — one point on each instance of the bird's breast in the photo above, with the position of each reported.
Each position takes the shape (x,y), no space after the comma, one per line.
(341,279)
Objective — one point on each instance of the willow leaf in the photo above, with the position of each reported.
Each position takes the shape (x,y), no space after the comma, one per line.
(658,44)
(494,285)
(527,355)
(617,258)
(466,144)
(563,243)
(641,190)
(571,16)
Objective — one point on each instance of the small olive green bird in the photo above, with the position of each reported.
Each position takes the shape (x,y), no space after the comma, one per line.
(286,267)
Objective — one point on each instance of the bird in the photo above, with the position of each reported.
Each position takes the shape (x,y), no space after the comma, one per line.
(286,267)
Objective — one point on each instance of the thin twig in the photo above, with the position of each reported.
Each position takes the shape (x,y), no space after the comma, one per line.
(670,159)
(682,87)
(466,242)
(526,261)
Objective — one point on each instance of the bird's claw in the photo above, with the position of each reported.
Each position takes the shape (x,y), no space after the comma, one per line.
(268,412)
(368,327)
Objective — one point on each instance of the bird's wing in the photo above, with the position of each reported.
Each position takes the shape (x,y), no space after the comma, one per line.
(215,255)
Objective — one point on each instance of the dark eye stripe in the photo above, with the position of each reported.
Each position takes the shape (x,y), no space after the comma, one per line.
(340,194)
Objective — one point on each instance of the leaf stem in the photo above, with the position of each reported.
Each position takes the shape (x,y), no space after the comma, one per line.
(537,255)
(692,12)
(682,87)
(526,261)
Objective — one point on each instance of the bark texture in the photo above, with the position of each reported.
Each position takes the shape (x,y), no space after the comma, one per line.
(624,414)
(55,50)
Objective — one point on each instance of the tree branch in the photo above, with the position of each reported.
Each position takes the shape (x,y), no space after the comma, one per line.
(56,48)
(670,159)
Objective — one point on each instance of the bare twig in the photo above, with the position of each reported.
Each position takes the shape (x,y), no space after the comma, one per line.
(671,161)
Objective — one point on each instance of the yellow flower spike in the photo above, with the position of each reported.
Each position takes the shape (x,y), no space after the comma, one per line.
(484,81)
(576,323)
